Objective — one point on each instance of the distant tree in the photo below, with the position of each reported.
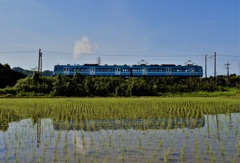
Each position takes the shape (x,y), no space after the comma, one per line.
(8,77)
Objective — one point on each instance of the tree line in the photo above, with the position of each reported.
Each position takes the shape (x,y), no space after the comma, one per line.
(81,86)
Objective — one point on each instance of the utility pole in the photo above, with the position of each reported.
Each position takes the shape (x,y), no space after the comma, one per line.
(239,76)
(227,67)
(205,66)
(40,62)
(99,60)
(215,64)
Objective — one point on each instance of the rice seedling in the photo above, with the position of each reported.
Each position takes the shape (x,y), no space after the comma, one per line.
(182,152)
(120,129)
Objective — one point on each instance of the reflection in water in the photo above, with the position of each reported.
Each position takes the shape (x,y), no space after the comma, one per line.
(137,124)
(151,140)
(7,116)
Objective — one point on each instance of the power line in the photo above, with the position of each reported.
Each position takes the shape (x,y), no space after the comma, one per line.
(114,55)
(120,55)
(55,52)
(18,51)
(105,54)
(229,55)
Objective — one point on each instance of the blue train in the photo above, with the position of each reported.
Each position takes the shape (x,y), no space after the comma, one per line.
(189,70)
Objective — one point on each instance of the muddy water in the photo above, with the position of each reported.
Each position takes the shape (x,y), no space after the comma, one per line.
(212,138)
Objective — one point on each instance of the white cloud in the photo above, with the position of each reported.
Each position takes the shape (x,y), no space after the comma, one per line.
(83,46)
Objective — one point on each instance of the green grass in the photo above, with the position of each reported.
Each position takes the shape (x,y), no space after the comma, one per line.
(114,108)
(231,92)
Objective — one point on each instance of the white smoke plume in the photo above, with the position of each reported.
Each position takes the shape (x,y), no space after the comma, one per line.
(83,46)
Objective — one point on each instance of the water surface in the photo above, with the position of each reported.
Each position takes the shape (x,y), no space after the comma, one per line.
(211,138)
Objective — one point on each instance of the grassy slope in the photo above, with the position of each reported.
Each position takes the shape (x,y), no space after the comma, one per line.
(232,92)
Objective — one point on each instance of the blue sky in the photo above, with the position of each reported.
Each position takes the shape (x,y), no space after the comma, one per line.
(120,32)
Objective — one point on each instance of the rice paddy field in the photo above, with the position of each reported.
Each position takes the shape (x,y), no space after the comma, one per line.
(186,129)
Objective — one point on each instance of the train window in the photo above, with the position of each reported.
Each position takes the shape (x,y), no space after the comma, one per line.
(185,69)
(177,70)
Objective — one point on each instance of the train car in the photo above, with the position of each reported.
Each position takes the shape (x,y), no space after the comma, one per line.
(167,70)
(93,70)
(126,70)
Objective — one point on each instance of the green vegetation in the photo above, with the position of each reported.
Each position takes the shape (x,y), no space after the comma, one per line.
(81,86)
(145,129)
(113,108)
(15,84)
(8,77)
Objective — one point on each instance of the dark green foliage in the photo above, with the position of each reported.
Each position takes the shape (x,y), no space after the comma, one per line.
(81,86)
(8,77)
(34,84)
